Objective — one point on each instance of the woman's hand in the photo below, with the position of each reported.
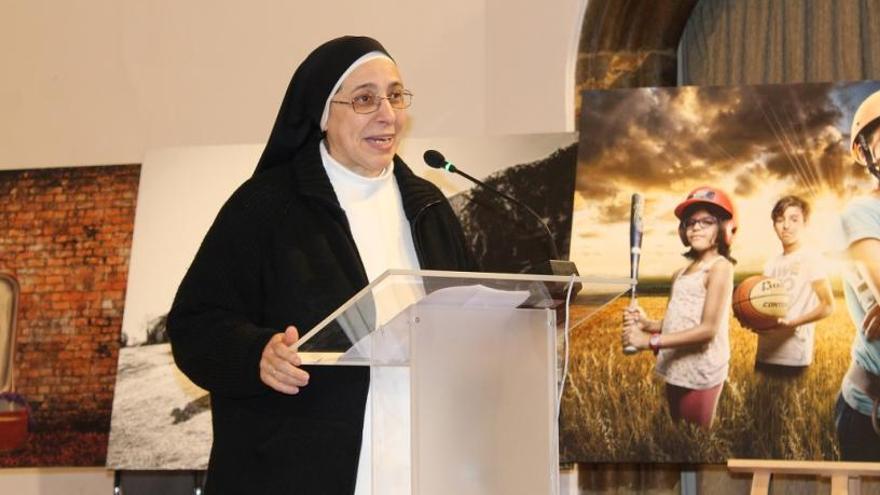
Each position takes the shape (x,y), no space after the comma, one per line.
(279,366)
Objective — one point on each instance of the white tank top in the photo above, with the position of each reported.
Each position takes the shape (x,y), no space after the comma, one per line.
(699,366)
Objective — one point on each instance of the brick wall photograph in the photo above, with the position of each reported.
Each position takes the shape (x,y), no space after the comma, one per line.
(65,235)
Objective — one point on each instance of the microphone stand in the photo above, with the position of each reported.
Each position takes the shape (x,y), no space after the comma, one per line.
(551,244)
(554,265)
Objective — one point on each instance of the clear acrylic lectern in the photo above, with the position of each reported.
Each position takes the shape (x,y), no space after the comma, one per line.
(464,376)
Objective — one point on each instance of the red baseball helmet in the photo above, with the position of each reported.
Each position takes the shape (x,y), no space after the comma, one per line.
(708,195)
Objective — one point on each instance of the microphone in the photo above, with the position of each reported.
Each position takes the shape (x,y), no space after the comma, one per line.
(435,159)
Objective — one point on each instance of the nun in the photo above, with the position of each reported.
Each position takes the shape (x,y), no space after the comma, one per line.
(329,208)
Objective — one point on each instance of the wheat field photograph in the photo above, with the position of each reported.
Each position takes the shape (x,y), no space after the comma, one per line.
(757,145)
(614,407)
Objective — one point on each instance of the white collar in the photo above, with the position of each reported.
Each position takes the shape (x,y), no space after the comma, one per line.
(350,184)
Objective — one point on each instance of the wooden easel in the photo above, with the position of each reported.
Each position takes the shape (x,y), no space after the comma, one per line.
(844,475)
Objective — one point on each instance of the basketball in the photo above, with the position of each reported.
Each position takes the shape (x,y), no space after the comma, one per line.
(759,301)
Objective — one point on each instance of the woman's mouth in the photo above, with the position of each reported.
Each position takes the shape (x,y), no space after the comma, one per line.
(382,142)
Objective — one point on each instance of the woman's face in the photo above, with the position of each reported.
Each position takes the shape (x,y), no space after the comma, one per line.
(701,229)
(365,143)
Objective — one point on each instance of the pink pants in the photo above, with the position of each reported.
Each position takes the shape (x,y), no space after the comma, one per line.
(693,406)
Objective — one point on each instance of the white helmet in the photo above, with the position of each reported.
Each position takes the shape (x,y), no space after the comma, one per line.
(867,113)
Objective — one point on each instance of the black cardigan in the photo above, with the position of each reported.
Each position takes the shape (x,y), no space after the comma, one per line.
(279,253)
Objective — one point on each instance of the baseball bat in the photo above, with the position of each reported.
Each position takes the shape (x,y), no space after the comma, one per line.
(635,251)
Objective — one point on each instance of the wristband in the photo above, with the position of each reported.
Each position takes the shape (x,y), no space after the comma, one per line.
(654,342)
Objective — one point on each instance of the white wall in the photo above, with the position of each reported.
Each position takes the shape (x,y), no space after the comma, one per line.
(103,81)
(531,50)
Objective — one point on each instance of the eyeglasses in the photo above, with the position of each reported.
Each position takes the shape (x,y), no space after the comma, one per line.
(703,222)
(369,102)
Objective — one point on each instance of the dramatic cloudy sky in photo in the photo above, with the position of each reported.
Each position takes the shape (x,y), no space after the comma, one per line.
(758,143)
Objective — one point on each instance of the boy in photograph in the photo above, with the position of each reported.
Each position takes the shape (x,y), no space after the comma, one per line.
(788,348)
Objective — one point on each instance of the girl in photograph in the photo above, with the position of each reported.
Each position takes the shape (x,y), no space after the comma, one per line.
(691,340)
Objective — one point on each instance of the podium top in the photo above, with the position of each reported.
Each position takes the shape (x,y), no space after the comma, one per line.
(341,338)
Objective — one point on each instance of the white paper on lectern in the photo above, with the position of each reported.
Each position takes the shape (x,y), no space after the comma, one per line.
(475,296)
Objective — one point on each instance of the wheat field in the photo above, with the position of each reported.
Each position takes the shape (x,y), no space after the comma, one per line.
(614,408)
